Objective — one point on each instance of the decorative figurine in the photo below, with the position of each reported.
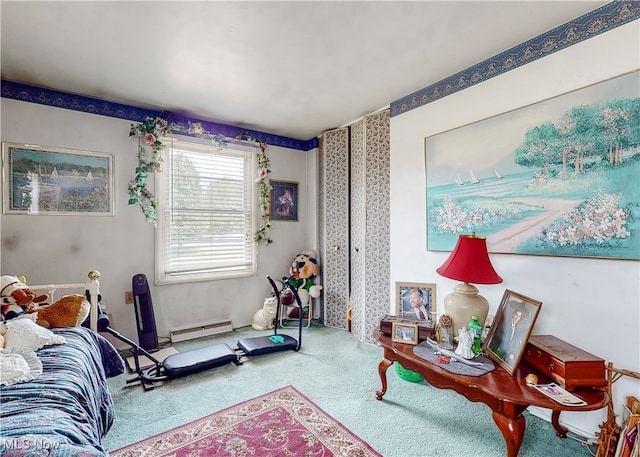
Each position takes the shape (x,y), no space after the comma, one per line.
(465,343)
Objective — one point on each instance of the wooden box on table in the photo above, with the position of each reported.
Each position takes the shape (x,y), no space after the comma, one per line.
(426,329)
(567,365)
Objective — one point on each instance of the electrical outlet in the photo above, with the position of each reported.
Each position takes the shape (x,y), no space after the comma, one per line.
(128,297)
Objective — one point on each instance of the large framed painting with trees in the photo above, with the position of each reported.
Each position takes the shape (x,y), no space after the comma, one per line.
(559,177)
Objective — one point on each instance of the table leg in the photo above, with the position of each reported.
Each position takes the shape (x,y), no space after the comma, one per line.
(512,431)
(382,371)
(555,421)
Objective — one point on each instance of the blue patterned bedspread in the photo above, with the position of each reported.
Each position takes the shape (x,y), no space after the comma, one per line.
(66,410)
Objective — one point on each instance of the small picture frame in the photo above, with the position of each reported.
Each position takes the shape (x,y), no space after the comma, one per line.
(40,180)
(284,200)
(404,333)
(416,300)
(510,330)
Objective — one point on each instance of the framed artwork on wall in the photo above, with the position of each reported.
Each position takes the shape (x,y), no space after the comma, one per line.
(416,300)
(546,179)
(55,181)
(510,329)
(284,200)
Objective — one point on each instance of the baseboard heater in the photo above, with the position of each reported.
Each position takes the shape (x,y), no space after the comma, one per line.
(199,331)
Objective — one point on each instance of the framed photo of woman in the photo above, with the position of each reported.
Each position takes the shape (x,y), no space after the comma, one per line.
(511,329)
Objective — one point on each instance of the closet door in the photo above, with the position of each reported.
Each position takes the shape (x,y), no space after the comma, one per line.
(369,217)
(334,225)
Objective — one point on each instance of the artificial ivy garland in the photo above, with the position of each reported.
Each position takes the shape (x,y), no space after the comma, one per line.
(149,131)
(264,194)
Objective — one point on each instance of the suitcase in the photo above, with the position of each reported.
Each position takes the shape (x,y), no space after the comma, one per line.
(567,365)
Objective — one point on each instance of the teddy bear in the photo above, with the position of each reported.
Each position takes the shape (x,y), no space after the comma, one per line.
(69,311)
(17,299)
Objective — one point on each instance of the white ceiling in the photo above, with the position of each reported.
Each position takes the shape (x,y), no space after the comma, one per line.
(293,69)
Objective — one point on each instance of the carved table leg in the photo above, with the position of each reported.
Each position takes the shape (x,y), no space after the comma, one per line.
(382,370)
(512,431)
(555,421)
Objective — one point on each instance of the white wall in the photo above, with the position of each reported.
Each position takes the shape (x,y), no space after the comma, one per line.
(63,249)
(591,303)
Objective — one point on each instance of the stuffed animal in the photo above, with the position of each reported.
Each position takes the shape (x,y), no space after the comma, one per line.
(264,318)
(16,296)
(303,269)
(69,311)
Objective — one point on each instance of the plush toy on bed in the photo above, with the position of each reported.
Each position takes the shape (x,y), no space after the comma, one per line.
(69,311)
(303,269)
(16,296)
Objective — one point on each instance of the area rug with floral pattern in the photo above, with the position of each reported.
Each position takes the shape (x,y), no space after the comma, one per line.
(281,423)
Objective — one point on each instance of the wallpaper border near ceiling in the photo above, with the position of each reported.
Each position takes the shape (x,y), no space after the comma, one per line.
(601,20)
(26,93)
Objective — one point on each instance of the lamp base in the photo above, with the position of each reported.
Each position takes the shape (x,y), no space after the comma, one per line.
(463,303)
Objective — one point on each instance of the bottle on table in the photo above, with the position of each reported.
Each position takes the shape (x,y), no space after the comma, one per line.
(475,329)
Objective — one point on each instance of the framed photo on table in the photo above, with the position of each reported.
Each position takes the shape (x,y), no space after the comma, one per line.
(416,300)
(284,200)
(511,329)
(43,180)
(404,333)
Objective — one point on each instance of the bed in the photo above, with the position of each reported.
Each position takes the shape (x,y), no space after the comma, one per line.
(68,409)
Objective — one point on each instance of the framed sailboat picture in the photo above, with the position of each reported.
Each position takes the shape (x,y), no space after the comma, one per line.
(54,181)
(551,178)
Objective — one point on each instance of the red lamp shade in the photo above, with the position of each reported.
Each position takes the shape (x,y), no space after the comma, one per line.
(469,262)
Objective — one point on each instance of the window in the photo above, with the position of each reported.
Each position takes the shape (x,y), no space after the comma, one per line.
(205,212)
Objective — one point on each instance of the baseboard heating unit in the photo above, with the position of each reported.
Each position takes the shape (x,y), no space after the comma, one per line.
(199,331)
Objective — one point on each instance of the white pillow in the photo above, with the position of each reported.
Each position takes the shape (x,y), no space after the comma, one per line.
(18,365)
(23,331)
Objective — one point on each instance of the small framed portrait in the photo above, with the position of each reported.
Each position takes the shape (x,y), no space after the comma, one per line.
(510,330)
(404,333)
(416,300)
(284,200)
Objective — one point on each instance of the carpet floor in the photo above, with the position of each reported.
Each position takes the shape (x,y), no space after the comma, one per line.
(339,373)
(283,422)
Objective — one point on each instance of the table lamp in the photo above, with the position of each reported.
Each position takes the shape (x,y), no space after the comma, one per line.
(469,262)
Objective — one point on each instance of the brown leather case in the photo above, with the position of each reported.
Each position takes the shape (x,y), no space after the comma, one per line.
(567,365)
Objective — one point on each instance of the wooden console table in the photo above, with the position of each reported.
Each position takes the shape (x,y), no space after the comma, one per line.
(507,396)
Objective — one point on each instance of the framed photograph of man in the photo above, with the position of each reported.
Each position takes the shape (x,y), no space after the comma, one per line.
(510,330)
(416,300)
(404,333)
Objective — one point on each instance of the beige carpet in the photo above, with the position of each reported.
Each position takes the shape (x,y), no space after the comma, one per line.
(145,362)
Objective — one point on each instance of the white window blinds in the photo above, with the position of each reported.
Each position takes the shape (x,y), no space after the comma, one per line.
(205,213)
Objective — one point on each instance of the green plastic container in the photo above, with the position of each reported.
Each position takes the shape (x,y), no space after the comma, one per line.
(408,375)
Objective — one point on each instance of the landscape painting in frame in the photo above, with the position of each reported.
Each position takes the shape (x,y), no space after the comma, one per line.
(560,177)
(55,181)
